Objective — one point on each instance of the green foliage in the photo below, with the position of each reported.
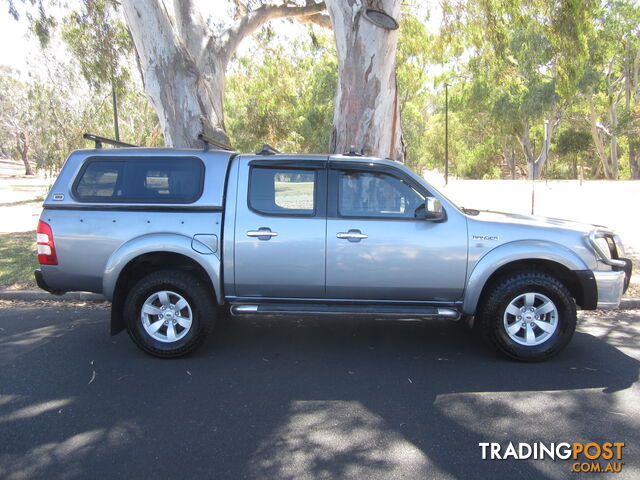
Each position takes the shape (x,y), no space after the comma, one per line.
(417,51)
(283,94)
(41,22)
(510,64)
(99,41)
(68,96)
(56,109)
(571,142)
(572,24)
(14,112)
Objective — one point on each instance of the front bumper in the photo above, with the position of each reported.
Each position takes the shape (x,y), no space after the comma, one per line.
(612,284)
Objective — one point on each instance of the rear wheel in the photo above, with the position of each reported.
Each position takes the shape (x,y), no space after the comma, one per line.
(169,313)
(529,316)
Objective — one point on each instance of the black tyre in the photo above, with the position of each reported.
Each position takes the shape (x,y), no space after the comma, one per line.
(169,313)
(529,316)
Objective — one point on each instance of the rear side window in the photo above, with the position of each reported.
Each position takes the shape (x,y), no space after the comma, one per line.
(99,180)
(282,191)
(141,180)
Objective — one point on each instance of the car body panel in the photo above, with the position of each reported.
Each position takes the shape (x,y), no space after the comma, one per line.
(444,262)
(512,252)
(159,242)
(291,264)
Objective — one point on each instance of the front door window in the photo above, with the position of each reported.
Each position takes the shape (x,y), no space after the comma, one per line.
(377,195)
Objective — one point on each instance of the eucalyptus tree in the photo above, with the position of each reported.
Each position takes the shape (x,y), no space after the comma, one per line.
(418,51)
(183,58)
(610,85)
(15,118)
(366,107)
(281,91)
(99,41)
(523,57)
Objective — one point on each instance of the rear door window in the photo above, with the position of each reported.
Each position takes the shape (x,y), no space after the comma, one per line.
(282,191)
(141,180)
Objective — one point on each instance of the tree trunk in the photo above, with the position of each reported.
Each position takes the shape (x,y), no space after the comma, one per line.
(543,158)
(597,140)
(183,64)
(525,142)
(634,161)
(631,90)
(366,107)
(513,163)
(510,157)
(22,141)
(613,117)
(187,101)
(535,164)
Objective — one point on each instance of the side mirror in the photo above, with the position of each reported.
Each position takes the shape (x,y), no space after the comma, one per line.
(433,209)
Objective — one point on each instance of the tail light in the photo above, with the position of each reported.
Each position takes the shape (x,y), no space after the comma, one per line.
(46,247)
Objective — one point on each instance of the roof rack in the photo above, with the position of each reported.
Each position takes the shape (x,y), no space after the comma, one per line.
(267,150)
(352,152)
(206,139)
(110,141)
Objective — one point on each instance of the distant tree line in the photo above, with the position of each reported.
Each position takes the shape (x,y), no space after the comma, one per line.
(537,88)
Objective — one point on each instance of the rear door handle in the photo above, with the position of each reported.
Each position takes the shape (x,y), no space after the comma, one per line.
(352,235)
(262,233)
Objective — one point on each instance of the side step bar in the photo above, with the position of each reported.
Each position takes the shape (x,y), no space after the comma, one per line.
(395,311)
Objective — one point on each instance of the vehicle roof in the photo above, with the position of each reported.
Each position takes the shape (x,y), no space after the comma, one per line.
(145,151)
(148,151)
(217,161)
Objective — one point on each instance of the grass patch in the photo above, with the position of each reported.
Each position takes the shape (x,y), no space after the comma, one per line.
(18,260)
(22,202)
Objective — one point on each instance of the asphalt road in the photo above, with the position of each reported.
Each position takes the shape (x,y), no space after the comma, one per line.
(313,399)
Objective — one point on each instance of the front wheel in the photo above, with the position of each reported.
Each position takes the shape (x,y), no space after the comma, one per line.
(169,313)
(529,316)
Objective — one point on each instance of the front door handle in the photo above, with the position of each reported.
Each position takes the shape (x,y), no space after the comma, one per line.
(263,233)
(352,235)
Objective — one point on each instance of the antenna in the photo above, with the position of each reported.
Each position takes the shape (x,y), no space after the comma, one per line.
(352,152)
(206,139)
(100,140)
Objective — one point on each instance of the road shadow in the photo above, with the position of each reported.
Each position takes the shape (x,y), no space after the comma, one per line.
(289,398)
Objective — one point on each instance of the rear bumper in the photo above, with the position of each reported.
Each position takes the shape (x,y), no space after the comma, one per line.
(43,284)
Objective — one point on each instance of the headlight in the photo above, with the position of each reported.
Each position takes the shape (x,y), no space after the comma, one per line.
(603,248)
(605,245)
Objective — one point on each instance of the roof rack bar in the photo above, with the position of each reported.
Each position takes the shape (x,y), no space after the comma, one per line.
(100,140)
(267,150)
(206,139)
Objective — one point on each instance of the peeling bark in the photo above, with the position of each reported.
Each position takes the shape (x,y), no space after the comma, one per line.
(183,65)
(187,101)
(366,106)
